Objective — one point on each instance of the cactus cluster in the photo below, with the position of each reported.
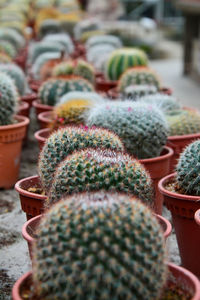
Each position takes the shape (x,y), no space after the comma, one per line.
(69,139)
(103,246)
(183,122)
(53,89)
(141,127)
(93,170)
(167,103)
(122,59)
(9,99)
(138,76)
(188,170)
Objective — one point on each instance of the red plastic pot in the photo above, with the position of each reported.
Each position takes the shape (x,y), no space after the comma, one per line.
(197,217)
(41,136)
(39,108)
(29,98)
(158,167)
(11,137)
(31,203)
(183,208)
(178,144)
(45,119)
(183,278)
(103,85)
(24,109)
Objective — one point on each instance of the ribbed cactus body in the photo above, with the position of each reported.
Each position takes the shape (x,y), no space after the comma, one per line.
(104,39)
(8,99)
(63,68)
(8,48)
(67,140)
(122,59)
(49,26)
(188,170)
(53,89)
(61,38)
(12,36)
(183,122)
(168,104)
(93,170)
(135,92)
(138,76)
(141,127)
(102,246)
(5,58)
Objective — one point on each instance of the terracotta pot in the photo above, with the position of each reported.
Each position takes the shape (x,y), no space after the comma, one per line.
(11,137)
(158,167)
(178,144)
(29,98)
(183,208)
(41,136)
(45,119)
(39,108)
(29,228)
(113,93)
(183,278)
(24,109)
(103,85)
(31,203)
(197,217)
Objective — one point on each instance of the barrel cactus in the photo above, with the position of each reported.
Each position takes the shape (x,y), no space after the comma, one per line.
(122,59)
(93,170)
(138,76)
(8,48)
(53,89)
(12,36)
(188,169)
(49,26)
(104,39)
(102,246)
(9,99)
(67,140)
(63,68)
(183,122)
(141,127)
(135,92)
(5,58)
(61,38)
(167,103)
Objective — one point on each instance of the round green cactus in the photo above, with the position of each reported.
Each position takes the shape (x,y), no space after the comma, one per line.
(103,246)
(188,169)
(183,122)
(9,99)
(122,59)
(64,68)
(93,170)
(17,74)
(168,104)
(85,70)
(12,36)
(53,89)
(67,140)
(138,76)
(141,127)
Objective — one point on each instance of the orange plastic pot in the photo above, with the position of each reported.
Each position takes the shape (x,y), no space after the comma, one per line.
(182,277)
(41,136)
(39,108)
(158,167)
(45,119)
(183,208)
(30,227)
(103,85)
(11,137)
(178,144)
(197,217)
(31,203)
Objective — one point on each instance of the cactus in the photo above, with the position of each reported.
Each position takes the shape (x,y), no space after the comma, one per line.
(4,58)
(65,141)
(183,122)
(134,92)
(85,70)
(12,36)
(88,34)
(103,246)
(49,26)
(166,103)
(63,68)
(90,96)
(53,89)
(61,38)
(9,99)
(141,127)
(188,169)
(93,170)
(7,48)
(86,25)
(16,74)
(138,76)
(104,39)
(122,59)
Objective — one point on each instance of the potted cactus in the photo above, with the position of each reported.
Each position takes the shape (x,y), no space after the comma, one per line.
(96,271)
(12,131)
(181,195)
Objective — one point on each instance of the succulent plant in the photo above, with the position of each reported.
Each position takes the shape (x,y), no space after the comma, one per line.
(61,38)
(141,127)
(138,76)
(86,25)
(104,39)
(8,48)
(63,68)
(4,58)
(17,74)
(67,140)
(49,26)
(12,36)
(122,59)
(91,96)
(183,122)
(166,103)
(133,92)
(9,99)
(103,246)
(53,89)
(88,34)
(93,170)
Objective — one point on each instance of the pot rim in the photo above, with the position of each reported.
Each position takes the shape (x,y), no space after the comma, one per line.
(23,105)
(25,192)
(168,229)
(25,233)
(38,133)
(161,186)
(29,97)
(18,284)
(46,116)
(171,138)
(197,217)
(161,157)
(37,104)
(22,121)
